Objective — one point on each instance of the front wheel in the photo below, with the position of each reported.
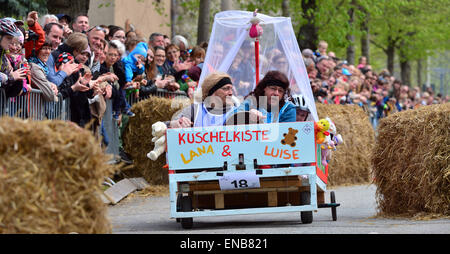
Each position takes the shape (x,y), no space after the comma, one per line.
(306,216)
(186,206)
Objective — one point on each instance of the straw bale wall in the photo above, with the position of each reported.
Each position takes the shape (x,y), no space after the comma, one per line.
(412,162)
(351,162)
(138,135)
(50,178)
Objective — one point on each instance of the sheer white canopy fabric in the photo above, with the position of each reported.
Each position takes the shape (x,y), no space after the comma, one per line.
(231,50)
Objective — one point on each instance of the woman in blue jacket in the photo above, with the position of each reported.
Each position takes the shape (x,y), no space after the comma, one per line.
(270,99)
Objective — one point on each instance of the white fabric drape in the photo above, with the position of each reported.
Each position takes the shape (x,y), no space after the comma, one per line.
(231,50)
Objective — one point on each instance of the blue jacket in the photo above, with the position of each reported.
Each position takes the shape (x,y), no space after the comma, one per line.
(287,113)
(129,62)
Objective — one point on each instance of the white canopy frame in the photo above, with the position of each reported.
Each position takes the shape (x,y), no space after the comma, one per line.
(231,50)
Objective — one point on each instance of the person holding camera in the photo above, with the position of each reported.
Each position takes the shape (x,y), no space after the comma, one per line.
(36,35)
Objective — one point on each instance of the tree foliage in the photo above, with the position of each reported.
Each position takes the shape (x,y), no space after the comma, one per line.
(20,8)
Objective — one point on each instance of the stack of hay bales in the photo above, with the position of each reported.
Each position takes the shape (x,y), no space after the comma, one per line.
(351,162)
(138,135)
(50,179)
(411,162)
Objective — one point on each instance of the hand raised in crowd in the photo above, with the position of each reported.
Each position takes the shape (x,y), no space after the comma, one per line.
(161,84)
(32,18)
(181,66)
(95,86)
(70,67)
(173,86)
(108,92)
(110,77)
(82,84)
(183,122)
(67,30)
(19,74)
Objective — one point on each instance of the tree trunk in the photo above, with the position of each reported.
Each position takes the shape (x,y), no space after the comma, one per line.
(226,5)
(419,72)
(351,39)
(203,22)
(390,52)
(69,7)
(365,38)
(365,43)
(173,17)
(308,33)
(405,67)
(285,8)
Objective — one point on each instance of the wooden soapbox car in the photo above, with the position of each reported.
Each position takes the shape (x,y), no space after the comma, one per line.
(246,169)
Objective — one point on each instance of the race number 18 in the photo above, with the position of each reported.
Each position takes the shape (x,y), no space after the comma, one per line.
(242,183)
(242,180)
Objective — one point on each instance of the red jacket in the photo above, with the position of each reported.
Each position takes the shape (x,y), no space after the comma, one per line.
(29,45)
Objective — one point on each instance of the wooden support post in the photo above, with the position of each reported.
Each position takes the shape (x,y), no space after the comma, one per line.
(219,200)
(272,197)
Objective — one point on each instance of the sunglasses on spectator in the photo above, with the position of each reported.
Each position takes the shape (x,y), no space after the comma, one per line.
(98,28)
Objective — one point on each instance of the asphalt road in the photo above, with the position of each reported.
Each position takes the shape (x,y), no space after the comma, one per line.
(356,215)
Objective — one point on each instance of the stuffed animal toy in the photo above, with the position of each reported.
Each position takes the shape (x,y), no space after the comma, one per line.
(331,142)
(321,130)
(255,30)
(159,138)
(334,138)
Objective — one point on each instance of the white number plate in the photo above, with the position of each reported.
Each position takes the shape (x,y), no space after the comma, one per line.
(236,181)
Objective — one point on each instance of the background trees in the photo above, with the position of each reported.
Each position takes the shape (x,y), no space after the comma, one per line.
(404,36)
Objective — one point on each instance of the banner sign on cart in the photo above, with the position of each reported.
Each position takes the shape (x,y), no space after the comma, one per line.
(270,144)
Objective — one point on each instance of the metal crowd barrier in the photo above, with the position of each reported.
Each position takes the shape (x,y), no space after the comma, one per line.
(110,131)
(32,106)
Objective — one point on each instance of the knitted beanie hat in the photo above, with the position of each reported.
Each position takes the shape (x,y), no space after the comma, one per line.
(213,82)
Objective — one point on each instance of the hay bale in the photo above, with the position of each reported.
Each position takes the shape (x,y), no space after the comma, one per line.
(351,162)
(137,136)
(50,178)
(411,162)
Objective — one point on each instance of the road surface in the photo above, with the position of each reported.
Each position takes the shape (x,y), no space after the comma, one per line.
(356,215)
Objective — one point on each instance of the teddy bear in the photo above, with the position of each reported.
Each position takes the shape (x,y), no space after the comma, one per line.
(321,130)
(290,138)
(159,138)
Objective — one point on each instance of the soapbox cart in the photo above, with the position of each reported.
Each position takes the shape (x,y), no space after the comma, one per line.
(246,169)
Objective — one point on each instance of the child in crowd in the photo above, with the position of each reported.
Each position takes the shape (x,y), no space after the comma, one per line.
(17,60)
(134,66)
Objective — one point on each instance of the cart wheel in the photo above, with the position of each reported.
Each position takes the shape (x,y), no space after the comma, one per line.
(307,216)
(186,206)
(333,209)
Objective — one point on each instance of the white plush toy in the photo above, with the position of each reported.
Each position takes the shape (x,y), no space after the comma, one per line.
(159,138)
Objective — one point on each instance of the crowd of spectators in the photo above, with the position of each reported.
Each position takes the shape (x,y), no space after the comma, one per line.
(67,57)
(379,93)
